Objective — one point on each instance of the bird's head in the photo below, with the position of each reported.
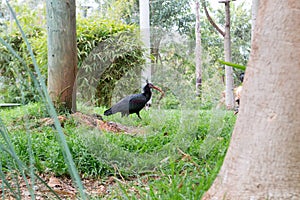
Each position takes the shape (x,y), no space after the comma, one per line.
(150,85)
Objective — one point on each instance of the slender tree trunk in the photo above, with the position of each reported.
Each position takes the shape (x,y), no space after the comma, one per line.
(211,21)
(229,97)
(145,36)
(198,53)
(62,51)
(263,158)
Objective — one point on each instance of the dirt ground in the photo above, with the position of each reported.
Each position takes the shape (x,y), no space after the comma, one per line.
(94,121)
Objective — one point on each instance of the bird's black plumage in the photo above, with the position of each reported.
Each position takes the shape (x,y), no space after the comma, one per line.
(132,103)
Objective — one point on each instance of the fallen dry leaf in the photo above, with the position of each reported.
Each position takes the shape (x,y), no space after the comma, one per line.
(54,182)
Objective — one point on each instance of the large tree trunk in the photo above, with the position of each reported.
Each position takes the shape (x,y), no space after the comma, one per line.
(198,52)
(263,158)
(229,97)
(62,52)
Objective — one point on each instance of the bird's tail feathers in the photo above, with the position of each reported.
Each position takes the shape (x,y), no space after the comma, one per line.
(108,112)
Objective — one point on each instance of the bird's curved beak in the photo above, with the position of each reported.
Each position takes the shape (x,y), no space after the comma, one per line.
(158,89)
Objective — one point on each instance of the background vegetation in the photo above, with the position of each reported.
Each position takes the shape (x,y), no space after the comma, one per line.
(174,50)
(173,153)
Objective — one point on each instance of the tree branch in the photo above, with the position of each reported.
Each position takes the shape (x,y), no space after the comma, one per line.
(211,20)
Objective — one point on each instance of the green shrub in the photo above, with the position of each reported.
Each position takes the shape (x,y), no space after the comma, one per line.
(105,49)
(17,85)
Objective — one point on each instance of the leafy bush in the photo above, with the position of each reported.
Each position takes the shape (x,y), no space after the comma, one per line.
(105,49)
(107,59)
(17,85)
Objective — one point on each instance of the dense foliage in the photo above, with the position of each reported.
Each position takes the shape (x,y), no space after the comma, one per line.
(106,54)
(101,68)
(16,84)
(107,48)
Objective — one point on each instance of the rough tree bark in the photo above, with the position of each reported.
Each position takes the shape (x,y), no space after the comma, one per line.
(263,158)
(198,52)
(62,52)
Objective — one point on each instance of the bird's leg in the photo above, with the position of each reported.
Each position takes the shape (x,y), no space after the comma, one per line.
(138,114)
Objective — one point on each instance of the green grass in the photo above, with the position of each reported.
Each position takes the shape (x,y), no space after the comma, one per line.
(174,154)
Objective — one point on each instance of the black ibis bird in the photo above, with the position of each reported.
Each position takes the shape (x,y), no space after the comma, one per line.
(133,103)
